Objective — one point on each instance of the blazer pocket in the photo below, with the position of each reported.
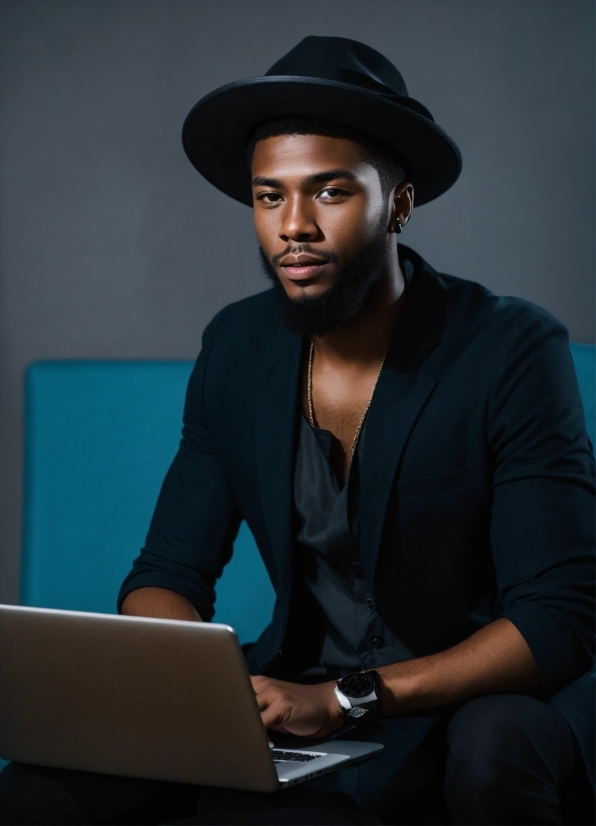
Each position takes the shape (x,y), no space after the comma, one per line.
(436,484)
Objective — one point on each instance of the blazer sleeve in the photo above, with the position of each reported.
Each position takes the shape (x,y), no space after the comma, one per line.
(195,520)
(542,520)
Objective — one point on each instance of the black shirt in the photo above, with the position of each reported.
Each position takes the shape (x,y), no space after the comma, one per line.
(355,636)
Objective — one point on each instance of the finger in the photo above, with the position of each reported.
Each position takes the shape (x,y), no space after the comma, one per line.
(262,702)
(272,716)
(258,682)
(265,696)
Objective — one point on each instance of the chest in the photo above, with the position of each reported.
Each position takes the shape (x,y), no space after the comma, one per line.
(338,400)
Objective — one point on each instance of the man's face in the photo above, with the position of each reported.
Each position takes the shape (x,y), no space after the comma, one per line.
(322,223)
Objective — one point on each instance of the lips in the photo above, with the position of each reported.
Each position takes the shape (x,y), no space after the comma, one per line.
(302,267)
(301,261)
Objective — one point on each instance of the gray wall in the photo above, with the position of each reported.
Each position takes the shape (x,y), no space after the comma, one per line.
(113,247)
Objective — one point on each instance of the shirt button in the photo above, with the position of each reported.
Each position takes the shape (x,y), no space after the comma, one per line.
(376,641)
(370,603)
(357,570)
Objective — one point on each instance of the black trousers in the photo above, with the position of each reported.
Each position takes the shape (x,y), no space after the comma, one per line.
(503,759)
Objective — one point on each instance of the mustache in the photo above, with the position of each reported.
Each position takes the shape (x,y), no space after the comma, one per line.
(295,249)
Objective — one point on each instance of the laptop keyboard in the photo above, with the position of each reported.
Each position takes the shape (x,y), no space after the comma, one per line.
(281,756)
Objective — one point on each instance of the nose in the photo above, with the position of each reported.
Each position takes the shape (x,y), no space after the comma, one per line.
(298,222)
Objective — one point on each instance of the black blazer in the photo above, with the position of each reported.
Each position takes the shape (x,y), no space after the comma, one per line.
(477,477)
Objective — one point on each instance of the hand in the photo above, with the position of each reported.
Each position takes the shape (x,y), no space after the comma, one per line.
(303,710)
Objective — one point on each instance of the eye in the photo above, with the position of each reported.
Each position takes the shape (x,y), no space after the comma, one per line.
(269,197)
(332,193)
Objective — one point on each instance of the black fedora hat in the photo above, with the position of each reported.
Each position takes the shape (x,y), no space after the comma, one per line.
(327,78)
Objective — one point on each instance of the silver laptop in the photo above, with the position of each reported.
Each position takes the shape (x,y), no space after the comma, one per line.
(158,699)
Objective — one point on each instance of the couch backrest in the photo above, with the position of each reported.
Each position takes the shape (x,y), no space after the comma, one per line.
(99,437)
(584,357)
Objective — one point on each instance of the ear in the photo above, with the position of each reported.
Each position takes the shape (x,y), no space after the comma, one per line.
(402,206)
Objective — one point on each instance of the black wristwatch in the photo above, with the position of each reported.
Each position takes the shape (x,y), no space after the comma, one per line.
(359,696)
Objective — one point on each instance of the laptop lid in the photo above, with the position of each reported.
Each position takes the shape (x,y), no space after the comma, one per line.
(131,696)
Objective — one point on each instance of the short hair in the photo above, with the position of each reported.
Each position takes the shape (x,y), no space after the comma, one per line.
(391,165)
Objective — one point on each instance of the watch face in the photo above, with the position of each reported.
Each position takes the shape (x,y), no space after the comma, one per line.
(357,685)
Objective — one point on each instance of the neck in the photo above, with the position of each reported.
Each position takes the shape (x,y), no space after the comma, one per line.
(366,338)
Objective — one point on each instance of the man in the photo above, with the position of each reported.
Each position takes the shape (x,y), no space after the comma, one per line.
(408,450)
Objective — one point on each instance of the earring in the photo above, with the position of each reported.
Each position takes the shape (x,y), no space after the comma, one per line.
(398,228)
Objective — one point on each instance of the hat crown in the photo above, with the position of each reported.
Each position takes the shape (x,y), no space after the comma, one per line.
(325,78)
(343,60)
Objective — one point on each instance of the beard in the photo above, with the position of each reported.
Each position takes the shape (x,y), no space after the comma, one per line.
(310,316)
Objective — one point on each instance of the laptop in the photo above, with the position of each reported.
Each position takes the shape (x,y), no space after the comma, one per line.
(138,697)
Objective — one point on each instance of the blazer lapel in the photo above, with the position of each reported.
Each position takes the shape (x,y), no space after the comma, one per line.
(398,401)
(278,408)
(403,389)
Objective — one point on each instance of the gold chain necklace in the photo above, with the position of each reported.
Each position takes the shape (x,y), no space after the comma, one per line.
(311,413)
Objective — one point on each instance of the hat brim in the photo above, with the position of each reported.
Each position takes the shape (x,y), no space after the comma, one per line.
(215,130)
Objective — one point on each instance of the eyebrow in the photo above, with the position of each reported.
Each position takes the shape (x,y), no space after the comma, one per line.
(310,180)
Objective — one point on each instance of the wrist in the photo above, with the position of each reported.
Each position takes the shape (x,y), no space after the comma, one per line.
(334,709)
